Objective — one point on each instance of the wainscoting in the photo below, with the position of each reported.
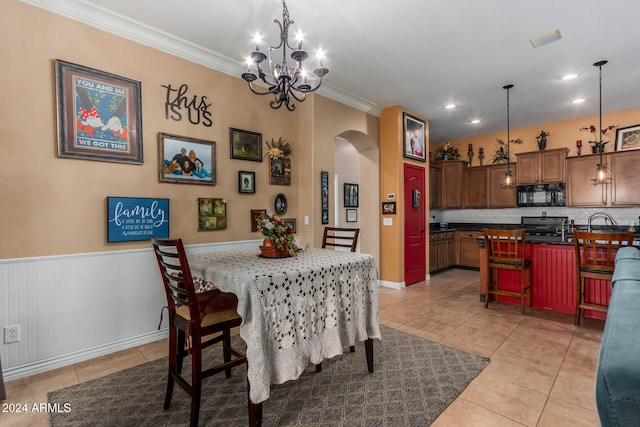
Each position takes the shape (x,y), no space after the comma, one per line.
(77,307)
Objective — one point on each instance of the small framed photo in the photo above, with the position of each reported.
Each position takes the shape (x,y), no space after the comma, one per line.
(388,208)
(246,182)
(352,215)
(212,214)
(255,214)
(245,145)
(290,222)
(350,195)
(186,160)
(628,138)
(99,115)
(414,138)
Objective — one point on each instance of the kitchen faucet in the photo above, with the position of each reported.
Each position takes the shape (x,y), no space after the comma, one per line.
(608,219)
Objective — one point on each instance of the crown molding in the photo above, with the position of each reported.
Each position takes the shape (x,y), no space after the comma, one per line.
(122,26)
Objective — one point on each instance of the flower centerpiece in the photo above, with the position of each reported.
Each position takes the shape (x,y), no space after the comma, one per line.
(598,143)
(278,238)
(447,152)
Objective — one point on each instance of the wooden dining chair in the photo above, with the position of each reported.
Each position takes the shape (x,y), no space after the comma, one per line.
(193,316)
(506,251)
(595,259)
(340,237)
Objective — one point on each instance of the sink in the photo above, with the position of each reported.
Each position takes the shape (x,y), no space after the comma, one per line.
(548,239)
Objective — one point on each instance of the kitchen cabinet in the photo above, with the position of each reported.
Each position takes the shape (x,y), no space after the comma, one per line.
(451,183)
(501,197)
(541,167)
(621,191)
(442,250)
(474,187)
(435,187)
(467,251)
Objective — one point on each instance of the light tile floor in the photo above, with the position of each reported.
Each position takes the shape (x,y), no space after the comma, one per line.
(542,370)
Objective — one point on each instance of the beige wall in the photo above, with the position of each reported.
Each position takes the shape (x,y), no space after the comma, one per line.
(57,205)
(562,134)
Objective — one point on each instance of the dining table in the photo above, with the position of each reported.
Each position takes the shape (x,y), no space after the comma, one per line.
(295,310)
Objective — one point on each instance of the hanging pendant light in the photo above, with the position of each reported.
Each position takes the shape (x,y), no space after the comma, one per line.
(508,180)
(603,173)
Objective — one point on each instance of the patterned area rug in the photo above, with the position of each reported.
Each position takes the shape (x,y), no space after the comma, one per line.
(415,379)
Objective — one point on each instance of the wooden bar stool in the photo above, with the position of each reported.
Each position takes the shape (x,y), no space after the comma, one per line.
(505,251)
(595,259)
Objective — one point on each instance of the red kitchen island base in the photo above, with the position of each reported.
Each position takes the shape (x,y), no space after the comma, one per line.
(553,280)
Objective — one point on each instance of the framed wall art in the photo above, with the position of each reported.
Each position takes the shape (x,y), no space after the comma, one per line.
(212,214)
(136,218)
(245,145)
(324,196)
(99,115)
(186,160)
(246,182)
(290,222)
(414,138)
(388,208)
(255,214)
(628,138)
(280,171)
(352,215)
(350,195)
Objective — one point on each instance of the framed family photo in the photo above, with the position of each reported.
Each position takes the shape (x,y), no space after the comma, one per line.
(628,138)
(246,182)
(212,214)
(99,115)
(245,145)
(186,160)
(414,138)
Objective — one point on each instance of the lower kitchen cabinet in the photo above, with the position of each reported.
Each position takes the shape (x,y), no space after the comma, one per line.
(442,250)
(468,254)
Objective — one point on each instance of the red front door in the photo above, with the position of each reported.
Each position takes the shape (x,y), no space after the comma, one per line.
(414,227)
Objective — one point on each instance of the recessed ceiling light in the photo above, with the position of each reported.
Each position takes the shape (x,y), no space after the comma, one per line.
(450,106)
(475,121)
(545,38)
(569,76)
(578,101)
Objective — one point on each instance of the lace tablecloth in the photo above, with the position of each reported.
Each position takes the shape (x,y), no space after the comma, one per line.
(295,311)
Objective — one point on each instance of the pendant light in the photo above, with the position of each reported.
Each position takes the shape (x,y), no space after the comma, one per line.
(508,180)
(603,173)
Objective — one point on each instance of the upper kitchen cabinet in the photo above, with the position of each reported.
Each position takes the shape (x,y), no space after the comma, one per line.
(451,180)
(500,197)
(621,191)
(435,187)
(542,167)
(474,187)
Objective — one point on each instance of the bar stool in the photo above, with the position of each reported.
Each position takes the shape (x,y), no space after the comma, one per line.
(595,259)
(505,251)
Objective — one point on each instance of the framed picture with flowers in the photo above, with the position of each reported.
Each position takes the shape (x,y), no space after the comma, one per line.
(414,138)
(628,138)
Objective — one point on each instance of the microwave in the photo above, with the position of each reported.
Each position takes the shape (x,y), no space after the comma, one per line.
(541,195)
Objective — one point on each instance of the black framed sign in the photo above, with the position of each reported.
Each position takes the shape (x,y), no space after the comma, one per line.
(99,115)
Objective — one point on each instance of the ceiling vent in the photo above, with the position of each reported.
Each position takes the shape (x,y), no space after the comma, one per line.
(545,38)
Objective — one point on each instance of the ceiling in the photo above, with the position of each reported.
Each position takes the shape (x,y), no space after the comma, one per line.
(419,54)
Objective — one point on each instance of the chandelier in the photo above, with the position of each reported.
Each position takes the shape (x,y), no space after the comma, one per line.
(287,81)
(507,179)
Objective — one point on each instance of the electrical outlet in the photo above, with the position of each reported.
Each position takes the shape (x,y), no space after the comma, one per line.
(11,334)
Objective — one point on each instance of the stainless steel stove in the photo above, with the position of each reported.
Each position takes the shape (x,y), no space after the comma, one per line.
(545,228)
